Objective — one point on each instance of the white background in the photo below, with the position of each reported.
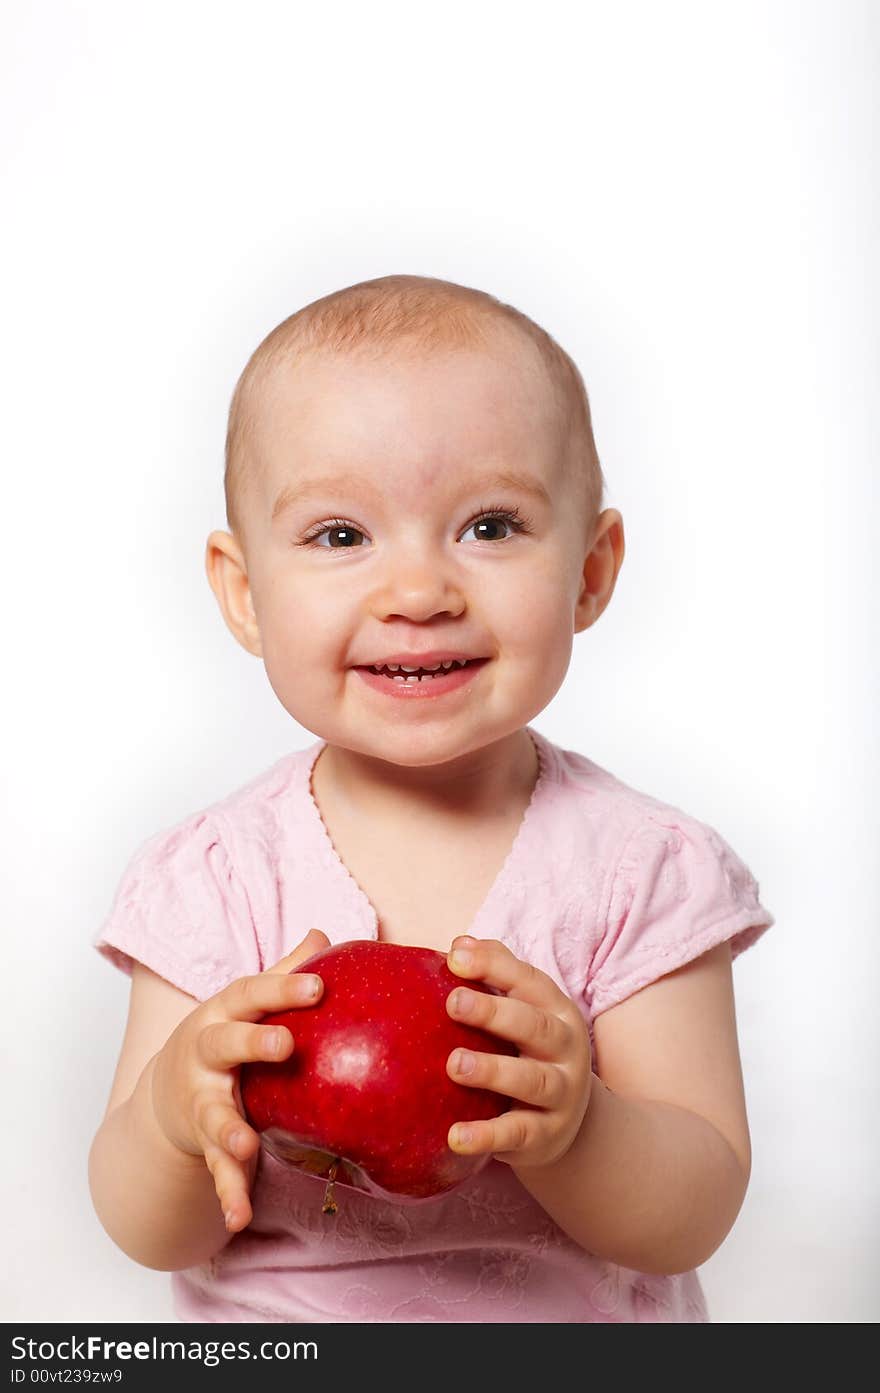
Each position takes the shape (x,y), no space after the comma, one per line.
(686,196)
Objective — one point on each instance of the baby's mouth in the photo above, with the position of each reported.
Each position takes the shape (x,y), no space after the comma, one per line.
(396,673)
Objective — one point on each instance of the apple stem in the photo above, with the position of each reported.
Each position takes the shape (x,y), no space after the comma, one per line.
(329,1201)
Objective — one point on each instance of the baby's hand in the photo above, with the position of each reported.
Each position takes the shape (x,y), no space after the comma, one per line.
(195,1087)
(552,1074)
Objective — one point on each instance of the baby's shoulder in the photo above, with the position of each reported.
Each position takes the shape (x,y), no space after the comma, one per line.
(647,843)
(265,796)
(606,807)
(257,813)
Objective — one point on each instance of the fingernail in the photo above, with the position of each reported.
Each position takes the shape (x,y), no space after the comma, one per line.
(229,1219)
(462,1136)
(462,1001)
(465,1062)
(462,959)
(310,986)
(274,1042)
(236,1140)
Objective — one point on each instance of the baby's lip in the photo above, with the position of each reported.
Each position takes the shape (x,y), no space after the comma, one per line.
(424,659)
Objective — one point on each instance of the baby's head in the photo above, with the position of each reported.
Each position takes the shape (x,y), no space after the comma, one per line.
(437,445)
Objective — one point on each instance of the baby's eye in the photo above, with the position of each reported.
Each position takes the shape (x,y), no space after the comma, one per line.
(487,526)
(341,536)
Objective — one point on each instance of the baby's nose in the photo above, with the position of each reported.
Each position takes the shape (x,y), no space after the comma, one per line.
(418,588)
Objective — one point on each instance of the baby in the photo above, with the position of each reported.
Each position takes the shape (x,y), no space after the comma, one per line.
(437,444)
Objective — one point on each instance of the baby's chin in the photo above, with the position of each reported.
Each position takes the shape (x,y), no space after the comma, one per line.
(454,754)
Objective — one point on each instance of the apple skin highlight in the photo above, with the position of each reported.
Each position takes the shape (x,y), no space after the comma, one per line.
(365,1098)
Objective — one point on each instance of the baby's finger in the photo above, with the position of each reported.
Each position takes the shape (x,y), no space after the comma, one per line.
(222,1128)
(224,1044)
(230,1182)
(314,941)
(493,963)
(537,1031)
(527,1080)
(499,1137)
(248,998)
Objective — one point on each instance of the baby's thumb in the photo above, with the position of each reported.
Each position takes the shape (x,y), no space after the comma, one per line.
(313,943)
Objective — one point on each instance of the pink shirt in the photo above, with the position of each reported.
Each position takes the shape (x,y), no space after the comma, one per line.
(604,888)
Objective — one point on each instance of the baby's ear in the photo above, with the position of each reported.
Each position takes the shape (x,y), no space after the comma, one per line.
(226,570)
(600,570)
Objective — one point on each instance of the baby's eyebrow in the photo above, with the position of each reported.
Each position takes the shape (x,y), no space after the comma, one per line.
(330,484)
(354,484)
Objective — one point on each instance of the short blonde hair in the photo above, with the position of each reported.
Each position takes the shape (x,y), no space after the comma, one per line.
(423,315)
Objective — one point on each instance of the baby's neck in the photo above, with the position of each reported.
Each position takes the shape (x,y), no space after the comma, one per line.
(486,783)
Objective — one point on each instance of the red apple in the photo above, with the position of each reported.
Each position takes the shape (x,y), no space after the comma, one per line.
(365,1098)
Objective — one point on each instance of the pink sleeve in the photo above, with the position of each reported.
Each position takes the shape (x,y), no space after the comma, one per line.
(679,890)
(181,910)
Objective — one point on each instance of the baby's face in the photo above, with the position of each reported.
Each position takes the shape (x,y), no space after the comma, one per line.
(413,508)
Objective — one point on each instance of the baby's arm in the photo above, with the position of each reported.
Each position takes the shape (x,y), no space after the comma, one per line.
(165,1163)
(657,1170)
